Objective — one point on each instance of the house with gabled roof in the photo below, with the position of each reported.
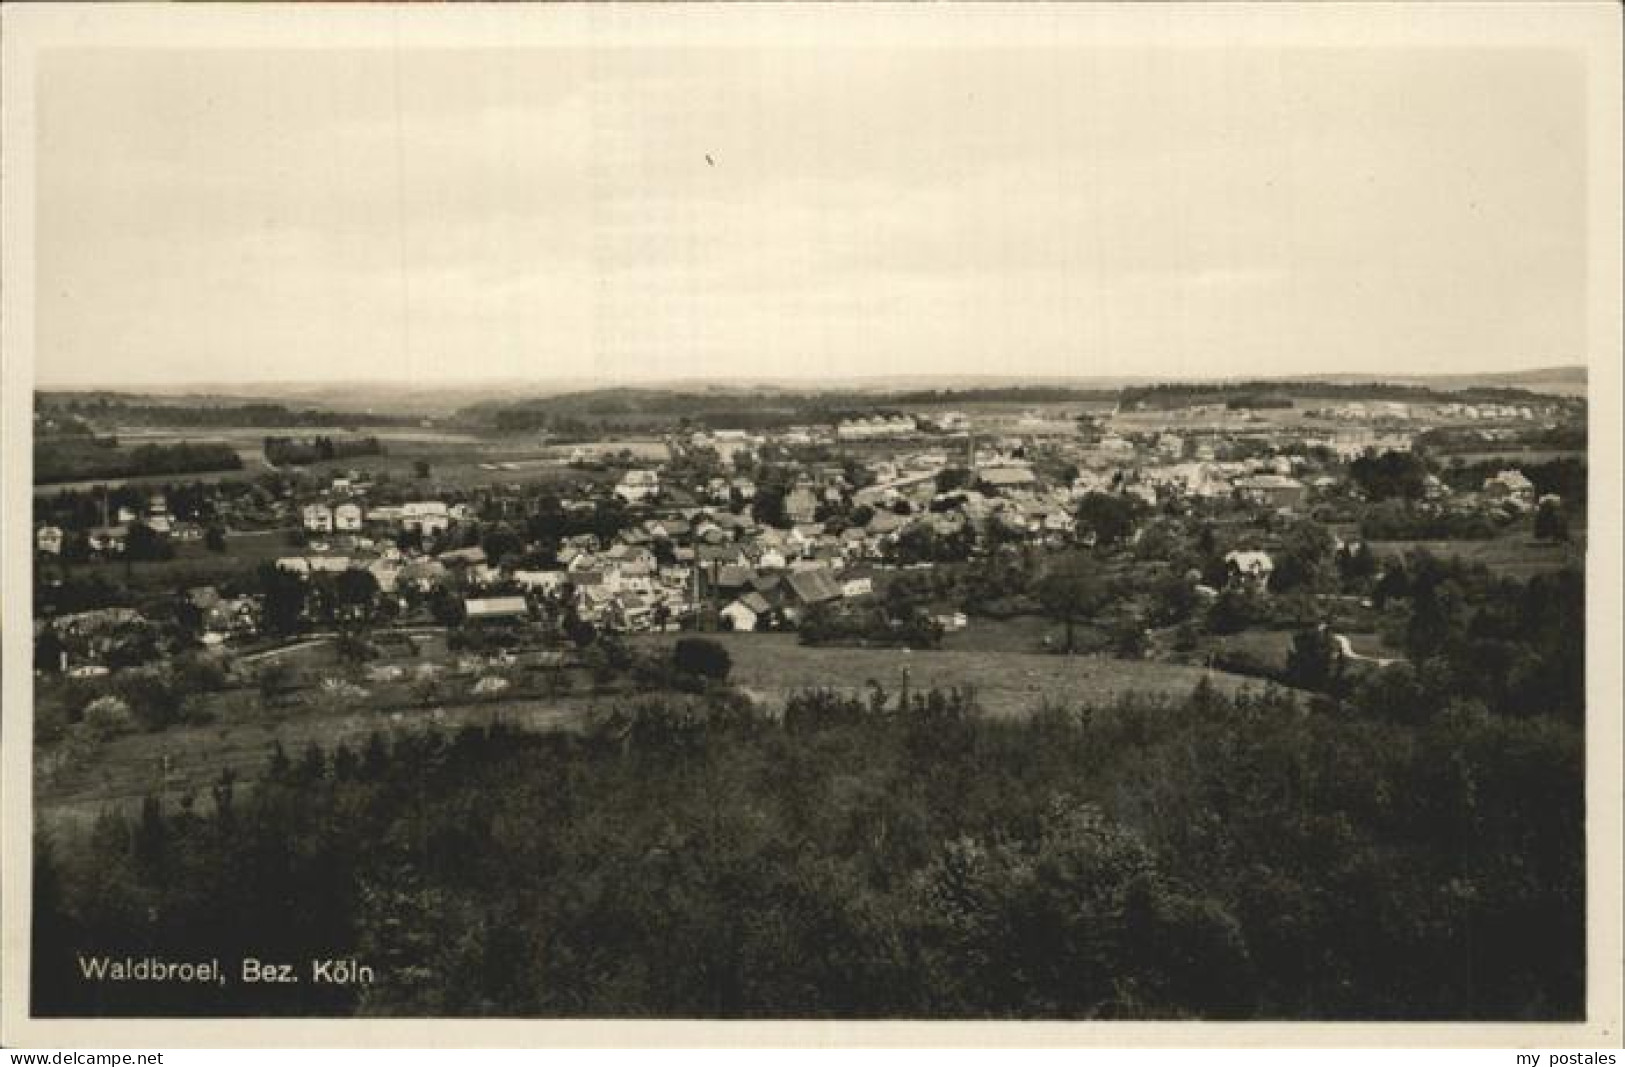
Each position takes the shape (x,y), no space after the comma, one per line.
(1511,485)
(810,587)
(747,612)
(1008,479)
(463,557)
(427,517)
(732,576)
(801,504)
(317,518)
(542,581)
(637,486)
(883,523)
(496,609)
(859,581)
(48,539)
(1249,569)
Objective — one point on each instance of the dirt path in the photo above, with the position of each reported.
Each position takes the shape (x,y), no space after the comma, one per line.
(1347,648)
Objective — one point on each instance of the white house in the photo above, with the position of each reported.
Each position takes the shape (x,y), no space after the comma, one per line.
(318,518)
(858,585)
(542,581)
(636,486)
(347,517)
(386,571)
(49,540)
(426,516)
(746,612)
(496,609)
(1511,485)
(633,577)
(1250,569)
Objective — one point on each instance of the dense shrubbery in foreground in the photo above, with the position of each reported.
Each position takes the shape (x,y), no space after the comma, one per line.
(1195,858)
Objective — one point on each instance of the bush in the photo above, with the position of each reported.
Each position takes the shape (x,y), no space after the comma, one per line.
(703,657)
(1234,611)
(1315,661)
(108,716)
(1551,524)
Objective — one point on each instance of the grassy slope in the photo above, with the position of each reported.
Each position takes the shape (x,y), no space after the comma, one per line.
(1513,553)
(1007,682)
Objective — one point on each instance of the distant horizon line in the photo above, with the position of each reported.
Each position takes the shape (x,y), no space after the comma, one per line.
(815,384)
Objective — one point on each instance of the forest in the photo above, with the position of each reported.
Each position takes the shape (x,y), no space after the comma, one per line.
(280,451)
(746,409)
(1169,395)
(1405,854)
(68,459)
(130,410)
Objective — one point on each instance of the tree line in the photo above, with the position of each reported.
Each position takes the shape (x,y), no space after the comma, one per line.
(1165,395)
(873,855)
(80,459)
(129,412)
(298,450)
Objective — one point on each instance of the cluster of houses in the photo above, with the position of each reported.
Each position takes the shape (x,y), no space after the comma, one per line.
(1476,412)
(425,517)
(1379,410)
(1271,482)
(109,538)
(692,554)
(1351,444)
(876,427)
(1512,488)
(86,639)
(1360,411)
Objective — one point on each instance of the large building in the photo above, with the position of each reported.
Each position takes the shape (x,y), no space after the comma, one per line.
(637,486)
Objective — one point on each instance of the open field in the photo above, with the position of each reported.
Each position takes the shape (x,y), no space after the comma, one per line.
(771,666)
(1269,648)
(1039,420)
(193,564)
(473,462)
(1514,554)
(73,787)
(1213,416)
(456,460)
(254,436)
(1514,455)
(248,442)
(1372,646)
(251,467)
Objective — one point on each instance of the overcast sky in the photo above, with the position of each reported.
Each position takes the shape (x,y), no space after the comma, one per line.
(256,216)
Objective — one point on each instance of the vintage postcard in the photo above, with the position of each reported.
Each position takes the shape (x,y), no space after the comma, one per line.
(880,524)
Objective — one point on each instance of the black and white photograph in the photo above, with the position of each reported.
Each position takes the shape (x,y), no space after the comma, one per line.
(1021,515)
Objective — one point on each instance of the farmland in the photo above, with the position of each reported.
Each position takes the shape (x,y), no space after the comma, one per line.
(75,784)
(1514,553)
(77,781)
(772,666)
(192,565)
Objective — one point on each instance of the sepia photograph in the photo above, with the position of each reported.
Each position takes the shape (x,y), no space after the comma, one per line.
(1032,516)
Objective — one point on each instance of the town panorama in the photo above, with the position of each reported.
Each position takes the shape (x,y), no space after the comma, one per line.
(1176,699)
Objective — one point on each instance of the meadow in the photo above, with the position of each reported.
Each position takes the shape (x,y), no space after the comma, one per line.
(76,780)
(1007,683)
(1512,554)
